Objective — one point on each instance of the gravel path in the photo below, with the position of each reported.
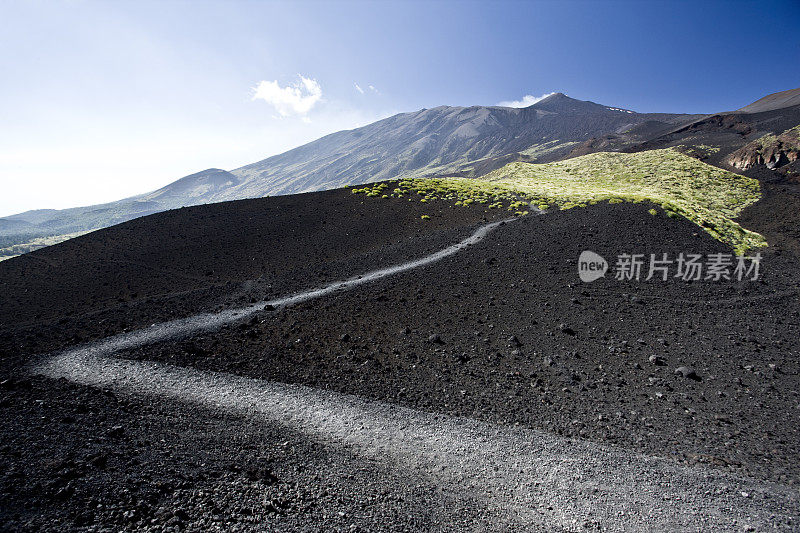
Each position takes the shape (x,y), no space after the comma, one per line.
(209,321)
(527,478)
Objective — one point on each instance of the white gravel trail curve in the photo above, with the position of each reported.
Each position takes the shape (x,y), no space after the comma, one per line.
(530,480)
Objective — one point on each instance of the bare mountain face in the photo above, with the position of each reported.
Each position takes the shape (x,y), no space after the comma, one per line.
(442,140)
(759,140)
(465,141)
(772,151)
(774,101)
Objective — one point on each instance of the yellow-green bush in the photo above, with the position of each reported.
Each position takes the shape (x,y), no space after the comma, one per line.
(710,197)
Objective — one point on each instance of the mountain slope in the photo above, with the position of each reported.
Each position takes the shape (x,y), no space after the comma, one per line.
(442,140)
(774,101)
(499,309)
(716,138)
(25,231)
(711,138)
(772,151)
(464,141)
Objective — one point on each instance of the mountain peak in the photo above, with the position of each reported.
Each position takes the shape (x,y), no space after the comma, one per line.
(444,140)
(561,103)
(556,96)
(554,99)
(774,101)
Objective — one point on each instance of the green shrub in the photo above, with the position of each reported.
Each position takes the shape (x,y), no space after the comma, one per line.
(683,186)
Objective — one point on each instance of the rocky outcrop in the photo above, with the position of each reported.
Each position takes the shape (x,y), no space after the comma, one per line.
(772,151)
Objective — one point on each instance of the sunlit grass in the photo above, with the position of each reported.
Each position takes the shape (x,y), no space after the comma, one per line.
(36,243)
(708,196)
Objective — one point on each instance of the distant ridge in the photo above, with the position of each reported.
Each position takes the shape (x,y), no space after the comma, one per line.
(444,140)
(773,101)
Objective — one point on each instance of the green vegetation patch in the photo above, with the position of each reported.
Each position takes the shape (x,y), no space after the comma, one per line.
(789,140)
(700,151)
(708,196)
(540,150)
(34,244)
(683,186)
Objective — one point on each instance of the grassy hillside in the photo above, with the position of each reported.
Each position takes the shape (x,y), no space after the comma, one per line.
(683,186)
(14,250)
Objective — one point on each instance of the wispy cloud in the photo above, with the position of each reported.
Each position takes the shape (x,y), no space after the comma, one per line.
(295,99)
(370,88)
(525,101)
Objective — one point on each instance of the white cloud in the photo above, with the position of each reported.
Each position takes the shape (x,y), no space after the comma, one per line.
(527,100)
(370,88)
(295,99)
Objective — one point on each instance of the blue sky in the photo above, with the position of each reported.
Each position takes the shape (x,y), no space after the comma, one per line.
(102,100)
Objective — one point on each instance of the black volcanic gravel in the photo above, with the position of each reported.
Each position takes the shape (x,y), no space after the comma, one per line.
(517,339)
(80,457)
(179,262)
(582,367)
